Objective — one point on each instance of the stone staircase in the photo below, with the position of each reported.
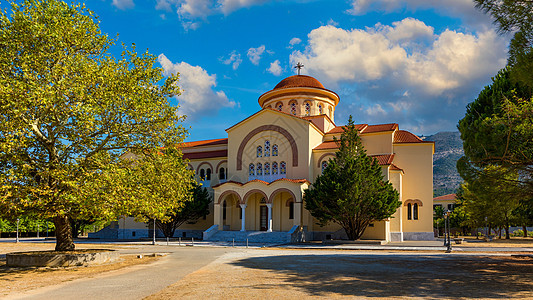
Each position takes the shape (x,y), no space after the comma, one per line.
(281,237)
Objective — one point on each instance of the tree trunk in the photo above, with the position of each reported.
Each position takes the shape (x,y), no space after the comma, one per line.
(64,241)
(524,228)
(507,237)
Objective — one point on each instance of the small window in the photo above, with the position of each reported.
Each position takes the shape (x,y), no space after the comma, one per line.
(293,108)
(291,210)
(224,210)
(259,169)
(324,165)
(451,206)
(267,169)
(409,211)
(275,150)
(208,174)
(133,233)
(279,106)
(263,201)
(267,148)
(274,168)
(320,109)
(259,151)
(222,174)
(330,112)
(415,211)
(202,174)
(283,168)
(251,170)
(307,107)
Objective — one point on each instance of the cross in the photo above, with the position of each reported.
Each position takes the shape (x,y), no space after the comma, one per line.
(299,66)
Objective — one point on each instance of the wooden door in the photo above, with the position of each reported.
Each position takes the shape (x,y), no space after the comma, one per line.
(263,212)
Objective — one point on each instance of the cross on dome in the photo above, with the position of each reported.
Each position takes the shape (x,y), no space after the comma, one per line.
(299,66)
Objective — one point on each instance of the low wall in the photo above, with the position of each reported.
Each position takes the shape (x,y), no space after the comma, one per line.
(60,258)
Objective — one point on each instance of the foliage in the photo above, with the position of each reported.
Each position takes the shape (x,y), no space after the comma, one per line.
(26,224)
(351,191)
(192,210)
(490,196)
(69,110)
(515,16)
(498,129)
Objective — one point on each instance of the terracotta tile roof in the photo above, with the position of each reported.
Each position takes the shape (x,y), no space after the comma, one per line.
(299,81)
(395,167)
(339,129)
(384,159)
(204,143)
(206,154)
(445,197)
(264,182)
(402,136)
(380,128)
(327,145)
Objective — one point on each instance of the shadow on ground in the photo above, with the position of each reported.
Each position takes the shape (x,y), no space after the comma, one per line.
(432,276)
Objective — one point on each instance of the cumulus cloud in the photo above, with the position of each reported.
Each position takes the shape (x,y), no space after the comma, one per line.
(234,59)
(229,6)
(254,54)
(198,95)
(123,4)
(275,68)
(413,75)
(295,41)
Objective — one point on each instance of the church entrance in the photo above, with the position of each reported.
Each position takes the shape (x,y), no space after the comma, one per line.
(263,212)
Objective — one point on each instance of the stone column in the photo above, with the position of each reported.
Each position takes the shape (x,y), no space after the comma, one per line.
(269,220)
(243,221)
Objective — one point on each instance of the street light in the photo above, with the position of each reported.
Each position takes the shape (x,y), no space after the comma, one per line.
(18,221)
(447,242)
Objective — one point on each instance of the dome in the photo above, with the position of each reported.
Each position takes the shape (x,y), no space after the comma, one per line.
(299,81)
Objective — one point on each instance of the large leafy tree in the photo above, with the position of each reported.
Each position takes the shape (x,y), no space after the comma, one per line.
(351,191)
(498,129)
(515,16)
(69,110)
(190,212)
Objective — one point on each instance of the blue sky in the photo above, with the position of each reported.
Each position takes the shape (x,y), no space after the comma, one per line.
(413,62)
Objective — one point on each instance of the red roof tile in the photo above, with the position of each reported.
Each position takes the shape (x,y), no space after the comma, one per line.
(339,129)
(402,136)
(445,197)
(384,159)
(206,154)
(380,128)
(299,81)
(204,143)
(327,145)
(395,167)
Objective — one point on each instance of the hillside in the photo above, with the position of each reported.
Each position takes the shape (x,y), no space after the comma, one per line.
(448,149)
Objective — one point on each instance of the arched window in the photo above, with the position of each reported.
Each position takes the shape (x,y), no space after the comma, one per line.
(409,211)
(208,174)
(202,174)
(274,168)
(415,211)
(307,107)
(279,106)
(267,148)
(251,170)
(330,112)
(293,108)
(275,150)
(267,169)
(283,168)
(259,169)
(324,165)
(259,151)
(320,109)
(224,207)
(222,174)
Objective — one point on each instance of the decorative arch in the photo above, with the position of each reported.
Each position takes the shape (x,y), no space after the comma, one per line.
(219,164)
(247,195)
(282,131)
(204,163)
(289,201)
(412,201)
(280,190)
(322,157)
(190,167)
(226,193)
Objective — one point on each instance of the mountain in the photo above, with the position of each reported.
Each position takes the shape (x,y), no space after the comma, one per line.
(448,149)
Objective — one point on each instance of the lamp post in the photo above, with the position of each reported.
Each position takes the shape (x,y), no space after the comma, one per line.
(153,241)
(448,243)
(17,239)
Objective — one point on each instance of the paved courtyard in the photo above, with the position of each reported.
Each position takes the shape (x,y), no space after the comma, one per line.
(274,273)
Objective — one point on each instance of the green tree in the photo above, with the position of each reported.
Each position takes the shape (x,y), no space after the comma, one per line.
(515,16)
(192,210)
(351,191)
(69,110)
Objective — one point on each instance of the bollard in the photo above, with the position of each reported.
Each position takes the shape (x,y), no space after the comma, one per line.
(38,229)
(233,243)
(179,242)
(18,220)
(246,243)
(193,241)
(167,240)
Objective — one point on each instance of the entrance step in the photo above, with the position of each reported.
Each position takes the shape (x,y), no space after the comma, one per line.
(281,237)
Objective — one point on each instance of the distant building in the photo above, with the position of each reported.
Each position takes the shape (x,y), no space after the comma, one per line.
(258,174)
(445,201)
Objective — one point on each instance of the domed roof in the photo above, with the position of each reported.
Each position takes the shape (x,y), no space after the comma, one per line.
(299,81)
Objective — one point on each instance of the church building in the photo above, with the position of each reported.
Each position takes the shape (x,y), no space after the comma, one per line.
(258,174)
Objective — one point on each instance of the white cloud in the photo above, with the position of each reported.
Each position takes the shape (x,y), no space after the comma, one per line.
(408,29)
(254,54)
(165,5)
(123,4)
(191,9)
(275,68)
(229,6)
(198,96)
(234,59)
(295,41)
